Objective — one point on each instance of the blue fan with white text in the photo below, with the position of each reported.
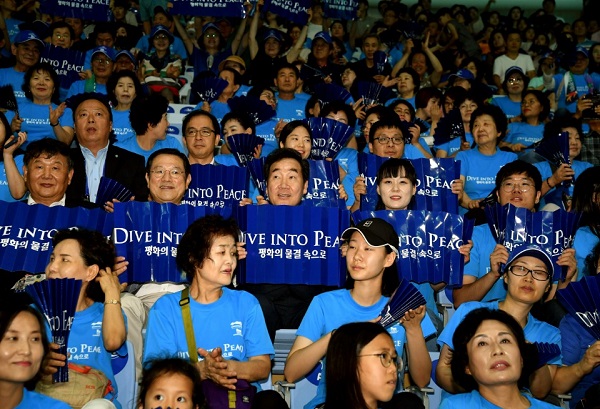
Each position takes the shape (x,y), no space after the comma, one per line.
(208,89)
(57,300)
(243,146)
(256,108)
(406,297)
(582,300)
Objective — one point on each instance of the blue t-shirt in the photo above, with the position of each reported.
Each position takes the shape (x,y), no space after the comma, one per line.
(199,60)
(36,120)
(34,400)
(4,191)
(555,194)
(581,83)
(78,87)
(575,341)
(535,330)
(122,125)
(522,132)
(480,170)
(333,309)
(234,322)
(479,264)
(132,145)
(8,76)
(583,243)
(176,48)
(86,345)
(454,145)
(509,107)
(475,400)
(290,110)
(266,130)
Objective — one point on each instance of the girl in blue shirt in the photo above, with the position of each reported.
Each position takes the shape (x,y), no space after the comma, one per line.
(23,344)
(371,261)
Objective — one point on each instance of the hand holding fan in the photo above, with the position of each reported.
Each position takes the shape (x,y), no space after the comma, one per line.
(449,127)
(110,189)
(582,300)
(331,93)
(405,297)
(256,108)
(243,146)
(329,136)
(555,149)
(208,89)
(57,299)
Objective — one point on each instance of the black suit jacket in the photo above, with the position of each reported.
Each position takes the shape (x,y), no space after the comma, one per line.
(125,167)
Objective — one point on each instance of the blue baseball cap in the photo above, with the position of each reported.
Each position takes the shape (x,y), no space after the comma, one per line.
(273,33)
(128,54)
(208,26)
(464,74)
(27,35)
(109,52)
(323,35)
(512,70)
(161,29)
(582,50)
(531,251)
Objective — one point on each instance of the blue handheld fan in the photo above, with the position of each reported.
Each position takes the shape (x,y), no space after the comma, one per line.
(405,297)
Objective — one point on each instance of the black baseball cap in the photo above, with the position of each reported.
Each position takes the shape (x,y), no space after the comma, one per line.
(376,232)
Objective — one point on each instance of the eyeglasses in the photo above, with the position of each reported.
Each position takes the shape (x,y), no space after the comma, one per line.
(211,35)
(160,173)
(203,132)
(521,271)
(387,359)
(384,140)
(509,186)
(102,61)
(160,37)
(60,36)
(514,80)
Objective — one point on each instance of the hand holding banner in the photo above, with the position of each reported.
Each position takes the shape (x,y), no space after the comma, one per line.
(429,243)
(217,186)
(292,244)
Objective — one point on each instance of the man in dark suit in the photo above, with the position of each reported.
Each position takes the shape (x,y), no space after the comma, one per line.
(96,156)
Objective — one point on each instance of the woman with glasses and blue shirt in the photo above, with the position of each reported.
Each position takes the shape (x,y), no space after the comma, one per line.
(372,249)
(363,367)
(528,278)
(515,81)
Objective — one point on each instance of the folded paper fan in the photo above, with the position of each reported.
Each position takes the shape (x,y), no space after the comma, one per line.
(546,352)
(256,108)
(57,299)
(373,93)
(405,297)
(257,173)
(555,149)
(329,137)
(243,145)
(208,89)
(110,189)
(331,93)
(8,100)
(380,59)
(582,300)
(449,127)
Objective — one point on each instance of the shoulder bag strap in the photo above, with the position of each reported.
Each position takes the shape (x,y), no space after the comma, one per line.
(184,303)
